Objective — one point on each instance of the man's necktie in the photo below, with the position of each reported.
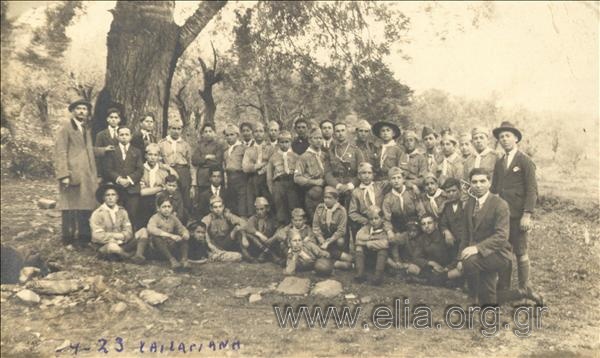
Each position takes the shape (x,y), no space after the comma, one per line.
(476,208)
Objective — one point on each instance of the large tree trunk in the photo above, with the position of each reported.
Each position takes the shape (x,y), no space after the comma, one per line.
(144,45)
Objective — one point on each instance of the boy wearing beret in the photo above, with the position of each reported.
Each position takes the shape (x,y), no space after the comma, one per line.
(280,178)
(452,163)
(432,153)
(367,194)
(482,156)
(432,198)
(412,162)
(259,229)
(372,239)
(177,154)
(399,207)
(223,229)
(329,227)
(310,172)
(389,152)
(298,223)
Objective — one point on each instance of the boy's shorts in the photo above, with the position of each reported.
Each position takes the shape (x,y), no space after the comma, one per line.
(517,237)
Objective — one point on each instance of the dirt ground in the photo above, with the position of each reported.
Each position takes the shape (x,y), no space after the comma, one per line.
(202,308)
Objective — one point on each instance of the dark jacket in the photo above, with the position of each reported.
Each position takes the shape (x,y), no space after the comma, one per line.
(103,139)
(489,229)
(137,140)
(517,184)
(132,167)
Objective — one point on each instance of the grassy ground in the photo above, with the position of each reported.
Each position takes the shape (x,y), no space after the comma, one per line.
(202,307)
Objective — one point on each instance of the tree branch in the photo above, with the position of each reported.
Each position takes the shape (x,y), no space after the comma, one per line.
(195,23)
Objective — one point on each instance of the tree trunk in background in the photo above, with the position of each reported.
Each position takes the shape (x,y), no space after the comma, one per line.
(144,45)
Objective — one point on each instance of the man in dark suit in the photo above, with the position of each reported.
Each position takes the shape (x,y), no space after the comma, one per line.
(124,166)
(106,140)
(486,251)
(144,136)
(452,218)
(514,180)
(215,189)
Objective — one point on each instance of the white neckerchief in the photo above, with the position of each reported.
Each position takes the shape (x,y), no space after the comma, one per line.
(112,212)
(432,202)
(370,191)
(510,156)
(399,195)
(478,156)
(329,213)
(446,163)
(375,231)
(286,164)
(383,150)
(215,190)
(318,156)
(230,149)
(124,149)
(173,143)
(151,174)
(259,151)
(248,143)
(327,143)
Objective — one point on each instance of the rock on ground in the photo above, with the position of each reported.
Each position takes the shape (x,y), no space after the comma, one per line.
(59,287)
(28,297)
(152,297)
(246,291)
(27,273)
(294,286)
(46,203)
(255,297)
(328,288)
(118,307)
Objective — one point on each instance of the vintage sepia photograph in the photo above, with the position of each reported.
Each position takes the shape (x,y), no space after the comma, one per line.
(300,179)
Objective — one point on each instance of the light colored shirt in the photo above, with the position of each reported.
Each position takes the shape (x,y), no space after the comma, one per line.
(175,152)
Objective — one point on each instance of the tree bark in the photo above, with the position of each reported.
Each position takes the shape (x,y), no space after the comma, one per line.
(144,45)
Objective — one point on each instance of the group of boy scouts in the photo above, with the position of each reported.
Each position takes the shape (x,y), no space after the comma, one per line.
(430,209)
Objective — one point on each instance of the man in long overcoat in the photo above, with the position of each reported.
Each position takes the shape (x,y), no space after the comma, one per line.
(75,168)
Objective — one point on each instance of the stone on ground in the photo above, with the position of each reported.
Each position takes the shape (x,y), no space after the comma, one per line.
(28,297)
(255,297)
(46,203)
(246,291)
(294,286)
(27,273)
(152,297)
(118,307)
(328,288)
(58,287)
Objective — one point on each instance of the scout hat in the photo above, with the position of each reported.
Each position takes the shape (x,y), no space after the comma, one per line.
(377,128)
(450,182)
(411,134)
(427,131)
(479,130)
(507,126)
(260,202)
(395,171)
(298,212)
(104,187)
(363,124)
(285,135)
(80,102)
(329,190)
(429,176)
(215,199)
(450,137)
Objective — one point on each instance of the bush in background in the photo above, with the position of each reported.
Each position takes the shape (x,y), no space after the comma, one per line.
(26,159)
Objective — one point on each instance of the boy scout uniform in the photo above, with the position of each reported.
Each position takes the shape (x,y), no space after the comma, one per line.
(280,180)
(311,165)
(235,179)
(344,159)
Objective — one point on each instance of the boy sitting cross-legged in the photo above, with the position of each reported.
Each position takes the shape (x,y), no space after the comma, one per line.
(372,239)
(306,255)
(167,232)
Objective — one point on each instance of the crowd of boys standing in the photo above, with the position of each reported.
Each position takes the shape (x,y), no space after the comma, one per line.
(432,208)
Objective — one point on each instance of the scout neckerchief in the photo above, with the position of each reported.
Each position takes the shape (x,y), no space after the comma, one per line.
(391,143)
(112,212)
(446,163)
(173,143)
(399,195)
(286,164)
(432,202)
(374,231)
(231,147)
(478,157)
(152,171)
(368,194)
(259,152)
(318,156)
(335,152)
(329,214)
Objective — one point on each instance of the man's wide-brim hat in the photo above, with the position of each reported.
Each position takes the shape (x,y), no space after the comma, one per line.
(104,187)
(507,127)
(377,128)
(80,102)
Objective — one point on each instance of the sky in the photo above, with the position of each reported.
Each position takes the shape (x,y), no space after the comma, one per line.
(543,56)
